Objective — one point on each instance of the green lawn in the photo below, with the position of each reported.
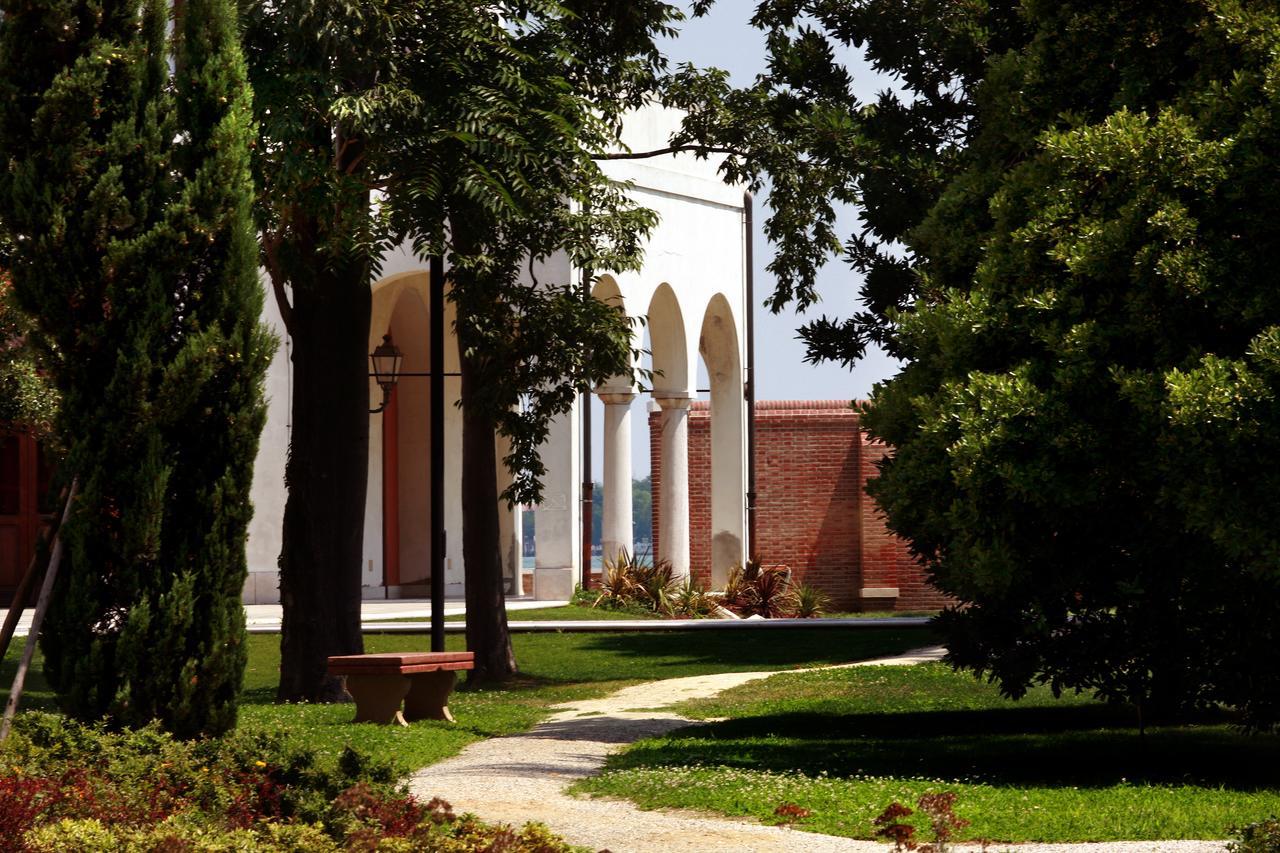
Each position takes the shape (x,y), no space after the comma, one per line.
(555,668)
(568,612)
(846,743)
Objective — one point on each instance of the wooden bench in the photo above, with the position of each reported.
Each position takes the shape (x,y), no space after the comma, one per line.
(422,681)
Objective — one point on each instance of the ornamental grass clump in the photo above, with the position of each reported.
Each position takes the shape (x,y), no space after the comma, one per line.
(810,602)
(756,590)
(647,586)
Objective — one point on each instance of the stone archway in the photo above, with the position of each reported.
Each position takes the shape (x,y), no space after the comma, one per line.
(722,354)
(616,536)
(400,446)
(671,390)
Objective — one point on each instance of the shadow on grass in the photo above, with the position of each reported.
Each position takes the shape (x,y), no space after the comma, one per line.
(744,650)
(37,694)
(1083,746)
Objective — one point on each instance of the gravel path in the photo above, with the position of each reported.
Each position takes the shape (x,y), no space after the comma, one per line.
(522,778)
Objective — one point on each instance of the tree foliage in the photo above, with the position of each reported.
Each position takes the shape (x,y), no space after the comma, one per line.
(126,196)
(27,397)
(1068,233)
(466,130)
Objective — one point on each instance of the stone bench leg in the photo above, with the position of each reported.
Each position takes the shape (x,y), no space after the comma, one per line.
(378,697)
(428,697)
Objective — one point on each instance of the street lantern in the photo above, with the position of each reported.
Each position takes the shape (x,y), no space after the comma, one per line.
(386,358)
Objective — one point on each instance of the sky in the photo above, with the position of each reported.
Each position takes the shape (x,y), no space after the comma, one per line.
(724,39)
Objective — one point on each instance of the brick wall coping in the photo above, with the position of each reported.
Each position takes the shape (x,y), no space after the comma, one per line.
(824,406)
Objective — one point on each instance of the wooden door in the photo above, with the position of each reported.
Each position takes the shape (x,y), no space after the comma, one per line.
(25,508)
(15,527)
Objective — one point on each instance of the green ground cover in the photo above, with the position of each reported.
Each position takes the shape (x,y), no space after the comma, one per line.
(566,612)
(846,743)
(555,668)
(581,613)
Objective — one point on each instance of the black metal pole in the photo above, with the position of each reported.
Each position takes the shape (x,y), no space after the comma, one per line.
(438,541)
(588,483)
(749,387)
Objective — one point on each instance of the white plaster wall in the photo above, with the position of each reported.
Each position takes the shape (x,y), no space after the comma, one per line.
(268,492)
(697,248)
(403,271)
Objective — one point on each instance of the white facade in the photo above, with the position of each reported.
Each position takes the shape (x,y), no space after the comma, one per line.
(691,292)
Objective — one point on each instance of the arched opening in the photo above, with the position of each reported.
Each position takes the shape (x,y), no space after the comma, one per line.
(719,347)
(397,533)
(672,393)
(407,451)
(612,513)
(670,353)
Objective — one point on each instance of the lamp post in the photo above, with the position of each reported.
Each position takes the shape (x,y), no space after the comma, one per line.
(386,358)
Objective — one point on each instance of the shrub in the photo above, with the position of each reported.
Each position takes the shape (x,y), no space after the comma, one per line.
(655,583)
(809,601)
(691,600)
(1260,837)
(758,590)
(938,810)
(637,583)
(67,786)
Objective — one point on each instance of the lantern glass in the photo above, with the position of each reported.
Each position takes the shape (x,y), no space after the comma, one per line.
(386,359)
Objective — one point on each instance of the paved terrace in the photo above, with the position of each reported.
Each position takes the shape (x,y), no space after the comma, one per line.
(377,618)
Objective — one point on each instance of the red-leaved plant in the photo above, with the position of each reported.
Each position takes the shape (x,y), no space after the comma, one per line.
(789,813)
(942,820)
(890,828)
(943,823)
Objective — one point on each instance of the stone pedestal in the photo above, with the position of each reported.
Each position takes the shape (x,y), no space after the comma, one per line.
(553,584)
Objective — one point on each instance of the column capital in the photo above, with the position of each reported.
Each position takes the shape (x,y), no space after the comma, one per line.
(616,396)
(673,399)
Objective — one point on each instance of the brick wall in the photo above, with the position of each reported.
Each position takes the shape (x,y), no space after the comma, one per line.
(812,461)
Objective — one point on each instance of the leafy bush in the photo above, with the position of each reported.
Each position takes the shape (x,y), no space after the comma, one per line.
(1260,837)
(66,786)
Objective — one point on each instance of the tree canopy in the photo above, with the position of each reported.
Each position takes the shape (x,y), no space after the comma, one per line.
(1067,232)
(125,196)
(468,131)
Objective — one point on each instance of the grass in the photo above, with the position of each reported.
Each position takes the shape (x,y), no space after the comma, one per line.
(567,613)
(554,667)
(880,614)
(846,743)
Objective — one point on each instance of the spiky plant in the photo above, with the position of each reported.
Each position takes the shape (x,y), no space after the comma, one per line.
(810,602)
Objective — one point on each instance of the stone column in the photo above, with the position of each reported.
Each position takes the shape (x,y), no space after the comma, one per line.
(616,530)
(558,524)
(674,510)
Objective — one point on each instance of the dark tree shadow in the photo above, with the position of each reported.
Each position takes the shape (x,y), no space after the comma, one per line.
(1083,746)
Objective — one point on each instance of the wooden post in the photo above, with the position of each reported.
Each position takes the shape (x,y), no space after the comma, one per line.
(46,589)
(20,597)
(16,606)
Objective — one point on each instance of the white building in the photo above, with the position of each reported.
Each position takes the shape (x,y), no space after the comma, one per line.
(692,290)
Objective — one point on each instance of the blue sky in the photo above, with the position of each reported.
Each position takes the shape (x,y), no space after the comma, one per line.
(725,39)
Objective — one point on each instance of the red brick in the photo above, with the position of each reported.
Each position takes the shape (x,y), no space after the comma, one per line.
(813,514)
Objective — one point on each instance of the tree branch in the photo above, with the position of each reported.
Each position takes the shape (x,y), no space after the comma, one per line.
(271,247)
(673,149)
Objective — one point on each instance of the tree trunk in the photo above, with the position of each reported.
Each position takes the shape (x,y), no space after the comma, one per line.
(327,476)
(487,634)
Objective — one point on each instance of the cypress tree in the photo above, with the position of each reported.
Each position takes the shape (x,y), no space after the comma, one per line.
(129,213)
(212,392)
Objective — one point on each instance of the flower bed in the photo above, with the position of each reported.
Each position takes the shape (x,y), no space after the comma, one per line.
(65,786)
